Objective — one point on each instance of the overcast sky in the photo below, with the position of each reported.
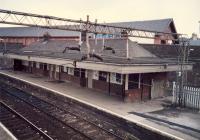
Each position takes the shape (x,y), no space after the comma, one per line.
(186,13)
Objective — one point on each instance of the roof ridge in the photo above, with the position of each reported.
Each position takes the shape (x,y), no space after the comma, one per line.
(162,19)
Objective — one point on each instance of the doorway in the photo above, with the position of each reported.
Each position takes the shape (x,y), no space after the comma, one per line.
(90,75)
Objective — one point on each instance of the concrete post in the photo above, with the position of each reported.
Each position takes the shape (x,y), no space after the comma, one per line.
(139,84)
(96,34)
(103,43)
(127,48)
(87,39)
(126,82)
(173,92)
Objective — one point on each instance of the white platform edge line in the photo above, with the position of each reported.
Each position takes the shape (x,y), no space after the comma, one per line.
(8,132)
(100,108)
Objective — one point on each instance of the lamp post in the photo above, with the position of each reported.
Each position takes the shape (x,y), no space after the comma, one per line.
(199,27)
(4,51)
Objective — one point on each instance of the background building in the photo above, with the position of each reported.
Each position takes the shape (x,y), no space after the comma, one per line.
(28,35)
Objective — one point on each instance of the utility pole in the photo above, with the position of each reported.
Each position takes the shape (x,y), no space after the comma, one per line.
(87,37)
(181,78)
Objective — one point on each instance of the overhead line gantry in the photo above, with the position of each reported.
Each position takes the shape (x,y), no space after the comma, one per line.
(52,22)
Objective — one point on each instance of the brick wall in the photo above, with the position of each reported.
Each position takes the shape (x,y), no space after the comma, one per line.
(115,89)
(6,62)
(144,92)
(29,40)
(77,80)
(100,85)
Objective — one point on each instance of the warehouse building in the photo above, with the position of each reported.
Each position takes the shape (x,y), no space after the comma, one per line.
(28,35)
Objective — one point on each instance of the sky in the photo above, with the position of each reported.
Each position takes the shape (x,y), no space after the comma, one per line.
(186,13)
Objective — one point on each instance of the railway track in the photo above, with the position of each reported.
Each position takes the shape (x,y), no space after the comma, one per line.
(80,125)
(51,126)
(20,126)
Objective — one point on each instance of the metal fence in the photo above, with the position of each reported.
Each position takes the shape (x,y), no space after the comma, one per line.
(189,98)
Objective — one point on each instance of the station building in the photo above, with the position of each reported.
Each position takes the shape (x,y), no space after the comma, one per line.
(118,67)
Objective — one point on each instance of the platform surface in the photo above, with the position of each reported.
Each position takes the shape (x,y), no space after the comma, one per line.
(103,101)
(5,134)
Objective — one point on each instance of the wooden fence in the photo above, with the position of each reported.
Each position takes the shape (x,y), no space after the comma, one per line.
(190,97)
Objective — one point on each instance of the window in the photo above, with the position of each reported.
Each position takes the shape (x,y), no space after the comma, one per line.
(25,63)
(66,69)
(34,64)
(48,66)
(118,78)
(102,76)
(163,42)
(133,81)
(96,75)
(37,65)
(45,66)
(70,71)
(57,68)
(41,65)
(77,72)
(61,68)
(115,78)
(82,73)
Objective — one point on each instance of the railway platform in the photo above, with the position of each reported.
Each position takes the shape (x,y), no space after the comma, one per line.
(104,102)
(5,134)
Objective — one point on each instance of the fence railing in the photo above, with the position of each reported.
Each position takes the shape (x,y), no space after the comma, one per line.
(190,97)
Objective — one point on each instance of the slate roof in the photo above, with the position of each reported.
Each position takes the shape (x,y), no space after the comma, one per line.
(195,42)
(171,51)
(55,48)
(10,47)
(154,25)
(34,32)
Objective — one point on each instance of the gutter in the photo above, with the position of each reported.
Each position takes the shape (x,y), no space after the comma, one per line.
(106,63)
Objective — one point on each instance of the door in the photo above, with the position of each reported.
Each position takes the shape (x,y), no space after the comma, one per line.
(157,89)
(90,75)
(18,65)
(30,67)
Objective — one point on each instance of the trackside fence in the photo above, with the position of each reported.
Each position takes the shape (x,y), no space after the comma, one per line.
(190,97)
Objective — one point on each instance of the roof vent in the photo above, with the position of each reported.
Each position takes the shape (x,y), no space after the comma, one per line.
(109,48)
(46,36)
